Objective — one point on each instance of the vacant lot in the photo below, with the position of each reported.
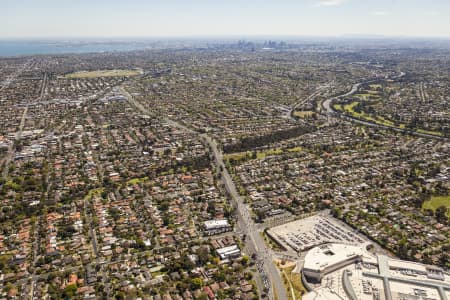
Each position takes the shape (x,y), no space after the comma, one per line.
(103,73)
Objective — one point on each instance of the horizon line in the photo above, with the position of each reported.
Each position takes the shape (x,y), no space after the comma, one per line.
(231,36)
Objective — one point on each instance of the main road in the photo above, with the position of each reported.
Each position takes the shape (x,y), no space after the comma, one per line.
(248,226)
(11,149)
(254,241)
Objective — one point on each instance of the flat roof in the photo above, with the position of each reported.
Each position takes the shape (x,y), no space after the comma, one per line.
(376,276)
(216,223)
(322,294)
(327,255)
(402,264)
(227,249)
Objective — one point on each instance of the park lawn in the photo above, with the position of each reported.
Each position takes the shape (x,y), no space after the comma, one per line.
(137,180)
(303,114)
(350,109)
(364,96)
(238,156)
(263,154)
(158,273)
(385,121)
(296,280)
(429,132)
(103,73)
(373,92)
(436,202)
(260,154)
(378,119)
(94,192)
(381,120)
(295,149)
(337,106)
(293,283)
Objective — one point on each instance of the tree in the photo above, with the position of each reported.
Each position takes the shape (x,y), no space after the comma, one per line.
(336,212)
(244,260)
(196,283)
(211,207)
(164,206)
(441,214)
(260,214)
(140,244)
(70,291)
(203,255)
(444,260)
(202,296)
(186,263)
(403,248)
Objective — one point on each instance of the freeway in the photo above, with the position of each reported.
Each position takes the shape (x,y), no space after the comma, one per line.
(328,108)
(254,241)
(290,112)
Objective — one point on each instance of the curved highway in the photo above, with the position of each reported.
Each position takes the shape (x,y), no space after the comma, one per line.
(327,106)
(290,112)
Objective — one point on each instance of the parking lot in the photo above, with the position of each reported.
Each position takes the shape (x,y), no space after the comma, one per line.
(304,234)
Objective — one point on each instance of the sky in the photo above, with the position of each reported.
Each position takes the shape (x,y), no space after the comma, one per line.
(237,18)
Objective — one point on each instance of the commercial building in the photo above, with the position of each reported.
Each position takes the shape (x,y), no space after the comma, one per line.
(338,271)
(229,252)
(216,226)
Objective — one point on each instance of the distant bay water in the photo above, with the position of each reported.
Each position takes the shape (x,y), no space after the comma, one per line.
(32,47)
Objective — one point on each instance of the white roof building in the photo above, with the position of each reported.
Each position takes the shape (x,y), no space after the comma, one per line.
(216,224)
(229,252)
(329,257)
(339,271)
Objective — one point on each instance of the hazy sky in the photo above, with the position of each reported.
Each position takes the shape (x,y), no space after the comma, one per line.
(175,18)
